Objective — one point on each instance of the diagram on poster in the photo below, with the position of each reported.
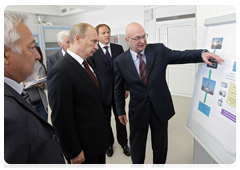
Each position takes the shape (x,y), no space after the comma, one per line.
(214,98)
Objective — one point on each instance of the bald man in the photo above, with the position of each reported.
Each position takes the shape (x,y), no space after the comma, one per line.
(143,69)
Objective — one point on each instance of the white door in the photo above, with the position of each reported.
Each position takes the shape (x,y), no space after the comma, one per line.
(179,35)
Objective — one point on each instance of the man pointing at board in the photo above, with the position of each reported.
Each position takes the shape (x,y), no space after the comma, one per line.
(143,69)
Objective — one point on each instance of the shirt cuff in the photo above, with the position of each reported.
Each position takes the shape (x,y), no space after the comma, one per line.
(204,51)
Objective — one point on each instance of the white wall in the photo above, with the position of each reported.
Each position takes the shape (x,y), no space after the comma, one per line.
(32,19)
(116,16)
(161,11)
(202,12)
(119,16)
(209,11)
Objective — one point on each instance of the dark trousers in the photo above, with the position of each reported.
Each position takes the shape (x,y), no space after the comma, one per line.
(120,128)
(97,162)
(159,138)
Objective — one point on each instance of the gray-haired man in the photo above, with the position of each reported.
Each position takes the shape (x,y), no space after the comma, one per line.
(63,41)
(28,139)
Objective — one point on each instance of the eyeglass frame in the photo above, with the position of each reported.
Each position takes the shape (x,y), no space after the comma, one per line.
(145,36)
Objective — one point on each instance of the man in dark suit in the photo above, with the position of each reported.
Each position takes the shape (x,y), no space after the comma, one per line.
(63,41)
(74,93)
(28,139)
(143,69)
(103,61)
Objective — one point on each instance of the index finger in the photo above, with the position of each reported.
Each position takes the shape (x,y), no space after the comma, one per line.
(216,57)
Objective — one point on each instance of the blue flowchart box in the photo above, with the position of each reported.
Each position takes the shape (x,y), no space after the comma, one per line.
(234,67)
(205,109)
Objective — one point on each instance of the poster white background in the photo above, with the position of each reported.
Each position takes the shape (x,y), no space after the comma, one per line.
(221,128)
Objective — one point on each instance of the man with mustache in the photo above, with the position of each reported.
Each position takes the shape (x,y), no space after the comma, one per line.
(74,92)
(28,139)
(37,96)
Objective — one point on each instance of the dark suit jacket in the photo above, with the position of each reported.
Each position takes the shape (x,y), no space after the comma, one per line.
(106,71)
(53,58)
(78,113)
(28,139)
(156,91)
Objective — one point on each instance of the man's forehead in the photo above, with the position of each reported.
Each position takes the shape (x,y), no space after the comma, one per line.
(104,28)
(65,37)
(137,34)
(95,38)
(31,41)
(26,34)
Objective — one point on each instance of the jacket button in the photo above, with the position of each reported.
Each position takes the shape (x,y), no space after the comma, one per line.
(53,136)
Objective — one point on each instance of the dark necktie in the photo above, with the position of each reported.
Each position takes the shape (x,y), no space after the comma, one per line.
(108,55)
(90,73)
(25,95)
(142,70)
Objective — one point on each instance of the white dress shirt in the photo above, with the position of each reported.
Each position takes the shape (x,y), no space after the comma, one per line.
(136,60)
(79,60)
(17,87)
(63,52)
(104,50)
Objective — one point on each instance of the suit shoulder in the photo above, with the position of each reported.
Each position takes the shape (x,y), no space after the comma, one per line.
(121,56)
(53,55)
(59,66)
(13,111)
(155,45)
(116,45)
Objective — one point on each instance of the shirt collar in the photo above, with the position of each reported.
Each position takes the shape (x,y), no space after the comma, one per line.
(102,45)
(63,52)
(75,56)
(134,54)
(17,87)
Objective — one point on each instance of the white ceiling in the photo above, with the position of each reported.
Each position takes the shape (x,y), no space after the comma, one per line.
(54,10)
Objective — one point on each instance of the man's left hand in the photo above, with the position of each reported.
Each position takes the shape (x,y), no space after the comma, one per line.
(206,56)
(41,84)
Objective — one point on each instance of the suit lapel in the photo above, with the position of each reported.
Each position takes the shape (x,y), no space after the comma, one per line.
(130,65)
(60,55)
(82,72)
(102,55)
(113,51)
(9,91)
(150,56)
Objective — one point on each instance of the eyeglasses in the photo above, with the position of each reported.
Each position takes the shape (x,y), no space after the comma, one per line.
(140,38)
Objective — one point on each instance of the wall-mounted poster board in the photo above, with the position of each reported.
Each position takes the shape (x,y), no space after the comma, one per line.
(212,116)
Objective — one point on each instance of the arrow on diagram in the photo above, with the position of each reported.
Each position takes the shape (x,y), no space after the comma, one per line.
(209,77)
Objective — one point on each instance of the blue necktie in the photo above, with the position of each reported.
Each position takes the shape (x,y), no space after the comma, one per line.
(108,55)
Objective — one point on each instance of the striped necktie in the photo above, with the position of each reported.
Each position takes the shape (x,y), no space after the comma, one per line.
(142,69)
(25,95)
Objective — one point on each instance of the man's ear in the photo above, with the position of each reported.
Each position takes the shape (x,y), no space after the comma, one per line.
(78,38)
(127,39)
(60,44)
(6,55)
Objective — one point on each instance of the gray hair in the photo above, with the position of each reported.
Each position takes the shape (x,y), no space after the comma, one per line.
(61,35)
(11,36)
(80,29)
